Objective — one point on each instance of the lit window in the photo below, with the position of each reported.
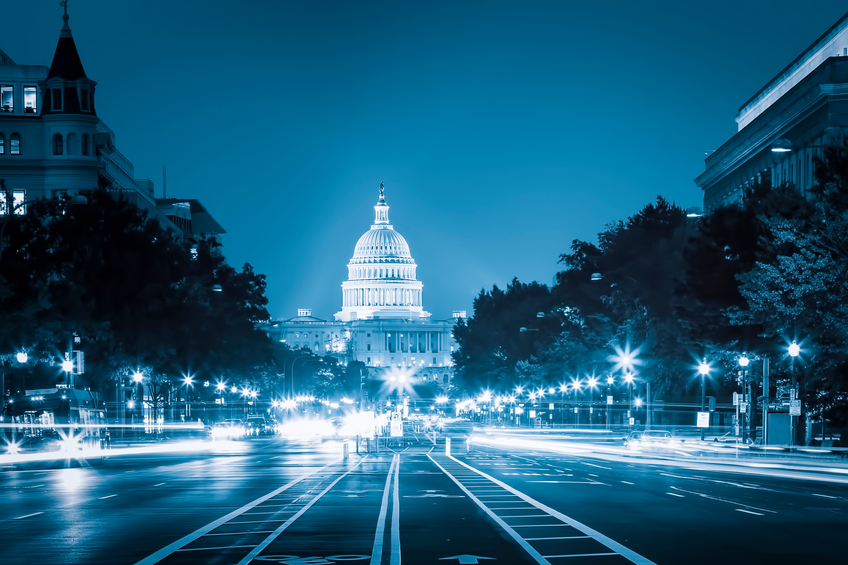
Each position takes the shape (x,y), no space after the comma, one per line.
(7,98)
(30,100)
(56,97)
(57,144)
(15,144)
(18,197)
(84,102)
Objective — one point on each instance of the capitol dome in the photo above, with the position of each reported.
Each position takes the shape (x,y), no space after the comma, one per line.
(381,274)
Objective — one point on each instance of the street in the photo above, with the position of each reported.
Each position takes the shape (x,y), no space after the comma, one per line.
(269,501)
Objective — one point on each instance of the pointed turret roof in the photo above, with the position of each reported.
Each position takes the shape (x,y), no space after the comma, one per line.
(66,61)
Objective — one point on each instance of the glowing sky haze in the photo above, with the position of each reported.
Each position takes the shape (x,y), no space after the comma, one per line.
(502,130)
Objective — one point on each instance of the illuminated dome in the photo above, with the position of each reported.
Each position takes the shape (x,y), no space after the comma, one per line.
(381,274)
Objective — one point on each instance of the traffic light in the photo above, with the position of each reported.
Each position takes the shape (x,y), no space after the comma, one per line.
(712,404)
(740,378)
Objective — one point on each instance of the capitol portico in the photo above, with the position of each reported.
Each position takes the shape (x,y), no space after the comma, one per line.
(382,322)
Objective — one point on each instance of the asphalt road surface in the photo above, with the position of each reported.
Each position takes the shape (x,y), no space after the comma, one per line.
(268,501)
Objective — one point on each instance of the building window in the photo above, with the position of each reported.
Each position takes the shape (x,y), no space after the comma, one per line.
(368,347)
(56,98)
(57,144)
(18,197)
(2,144)
(30,100)
(72,144)
(7,98)
(369,360)
(15,144)
(84,144)
(85,105)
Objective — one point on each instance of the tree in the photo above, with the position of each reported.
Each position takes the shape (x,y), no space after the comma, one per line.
(131,290)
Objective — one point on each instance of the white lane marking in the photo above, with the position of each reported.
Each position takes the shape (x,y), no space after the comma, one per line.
(527,516)
(105,497)
(677,495)
(543,525)
(159,485)
(598,466)
(217,548)
(749,512)
(823,495)
(578,555)
(628,482)
(267,541)
(377,553)
(735,503)
(559,537)
(599,537)
(515,535)
(395,537)
(240,533)
(569,482)
(28,516)
(184,541)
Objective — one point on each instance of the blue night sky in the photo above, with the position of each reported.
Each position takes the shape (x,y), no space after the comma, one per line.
(502,130)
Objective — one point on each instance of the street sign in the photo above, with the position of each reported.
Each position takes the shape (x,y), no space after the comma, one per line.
(743,407)
(794,407)
(551,406)
(396,425)
(632,421)
(609,399)
(736,399)
(532,413)
(703,420)
(575,410)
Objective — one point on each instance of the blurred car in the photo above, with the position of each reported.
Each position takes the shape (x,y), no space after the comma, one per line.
(44,443)
(650,439)
(258,426)
(228,429)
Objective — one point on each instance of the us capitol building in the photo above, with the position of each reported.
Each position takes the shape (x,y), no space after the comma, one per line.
(382,322)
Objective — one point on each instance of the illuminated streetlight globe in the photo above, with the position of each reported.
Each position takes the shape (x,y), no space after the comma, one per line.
(563,388)
(138,377)
(794,349)
(628,378)
(234,389)
(610,380)
(188,380)
(593,382)
(551,390)
(22,357)
(638,402)
(221,386)
(703,368)
(743,361)
(67,366)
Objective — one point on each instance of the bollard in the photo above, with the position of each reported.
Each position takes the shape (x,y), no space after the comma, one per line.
(447,446)
(346,449)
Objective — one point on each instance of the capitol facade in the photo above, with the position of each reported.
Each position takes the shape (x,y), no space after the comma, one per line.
(382,322)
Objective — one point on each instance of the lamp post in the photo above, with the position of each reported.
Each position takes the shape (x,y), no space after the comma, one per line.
(743,362)
(188,381)
(628,378)
(563,388)
(575,386)
(592,384)
(703,370)
(794,350)
(610,382)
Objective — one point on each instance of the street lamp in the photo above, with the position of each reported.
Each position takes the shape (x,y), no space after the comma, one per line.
(592,384)
(703,370)
(628,378)
(743,362)
(188,381)
(794,350)
(575,386)
(610,382)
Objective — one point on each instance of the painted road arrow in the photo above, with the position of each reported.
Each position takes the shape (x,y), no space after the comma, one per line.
(467,559)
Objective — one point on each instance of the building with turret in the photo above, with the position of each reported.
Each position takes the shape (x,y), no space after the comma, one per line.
(53,144)
(382,322)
